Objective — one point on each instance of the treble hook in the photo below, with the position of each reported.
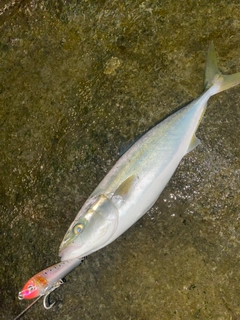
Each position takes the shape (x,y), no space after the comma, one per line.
(46,302)
(46,299)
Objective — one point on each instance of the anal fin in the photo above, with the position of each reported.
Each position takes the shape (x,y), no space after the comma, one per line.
(193,143)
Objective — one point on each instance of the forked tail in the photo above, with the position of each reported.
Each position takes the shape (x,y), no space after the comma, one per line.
(214,76)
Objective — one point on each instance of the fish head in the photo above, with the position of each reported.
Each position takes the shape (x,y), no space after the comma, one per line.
(91,230)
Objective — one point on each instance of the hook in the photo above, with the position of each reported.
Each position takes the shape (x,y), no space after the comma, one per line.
(46,300)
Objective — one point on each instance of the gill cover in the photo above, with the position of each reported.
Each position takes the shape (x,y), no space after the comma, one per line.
(90,231)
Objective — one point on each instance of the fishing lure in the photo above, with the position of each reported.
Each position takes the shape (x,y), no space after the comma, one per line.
(46,281)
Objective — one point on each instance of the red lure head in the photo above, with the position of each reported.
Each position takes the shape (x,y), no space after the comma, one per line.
(33,288)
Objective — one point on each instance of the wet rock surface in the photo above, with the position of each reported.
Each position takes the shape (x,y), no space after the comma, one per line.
(78,80)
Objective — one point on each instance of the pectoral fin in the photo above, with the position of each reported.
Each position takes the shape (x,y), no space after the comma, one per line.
(193,143)
(125,187)
(123,191)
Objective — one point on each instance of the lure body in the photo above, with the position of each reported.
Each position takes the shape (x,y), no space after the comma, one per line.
(48,279)
(132,186)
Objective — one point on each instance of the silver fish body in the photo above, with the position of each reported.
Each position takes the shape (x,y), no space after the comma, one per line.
(135,182)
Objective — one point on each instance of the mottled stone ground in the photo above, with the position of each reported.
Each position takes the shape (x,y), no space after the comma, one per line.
(77,80)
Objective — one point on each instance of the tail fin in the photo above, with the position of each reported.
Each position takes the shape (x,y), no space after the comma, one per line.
(213,75)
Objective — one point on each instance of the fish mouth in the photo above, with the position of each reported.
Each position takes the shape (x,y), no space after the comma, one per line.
(67,252)
(63,246)
(64,254)
(70,248)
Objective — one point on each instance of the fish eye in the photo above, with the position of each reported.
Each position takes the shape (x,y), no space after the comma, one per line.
(31,288)
(78,228)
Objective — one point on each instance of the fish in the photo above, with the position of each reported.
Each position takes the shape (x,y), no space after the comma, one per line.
(137,179)
(131,187)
